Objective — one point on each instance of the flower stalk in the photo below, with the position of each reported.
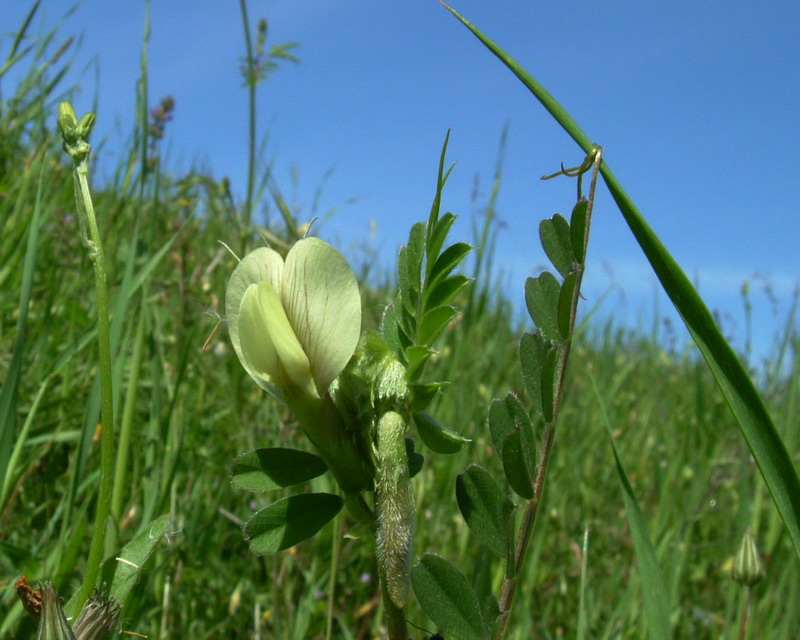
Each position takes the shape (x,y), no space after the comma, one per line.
(74,136)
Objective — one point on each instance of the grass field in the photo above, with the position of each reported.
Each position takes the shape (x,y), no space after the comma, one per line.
(184,408)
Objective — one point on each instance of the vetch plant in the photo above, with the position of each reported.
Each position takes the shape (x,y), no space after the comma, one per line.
(295,326)
(522,439)
(740,393)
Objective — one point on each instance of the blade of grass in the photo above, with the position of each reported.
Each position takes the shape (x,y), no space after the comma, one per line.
(738,389)
(20,443)
(8,393)
(654,591)
(12,53)
(582,614)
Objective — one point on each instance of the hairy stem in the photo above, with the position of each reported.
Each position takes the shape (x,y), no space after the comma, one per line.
(395,617)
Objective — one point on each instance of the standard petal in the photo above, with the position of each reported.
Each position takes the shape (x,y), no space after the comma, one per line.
(321,299)
(257,266)
(259,355)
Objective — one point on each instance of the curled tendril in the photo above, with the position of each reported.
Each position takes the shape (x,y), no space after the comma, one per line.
(574,172)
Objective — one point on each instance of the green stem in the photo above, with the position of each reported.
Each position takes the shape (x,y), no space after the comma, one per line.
(251,109)
(321,422)
(86,209)
(336,548)
(745,611)
(509,588)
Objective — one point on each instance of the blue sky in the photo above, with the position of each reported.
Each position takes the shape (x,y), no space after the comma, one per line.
(697,105)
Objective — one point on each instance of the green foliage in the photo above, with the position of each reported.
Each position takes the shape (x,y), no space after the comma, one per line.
(555,235)
(513,438)
(10,386)
(486,510)
(746,404)
(654,591)
(192,410)
(415,459)
(422,310)
(285,523)
(577,229)
(542,295)
(134,555)
(448,598)
(435,436)
(272,468)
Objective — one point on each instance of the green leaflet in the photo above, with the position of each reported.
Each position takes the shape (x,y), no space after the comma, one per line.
(486,510)
(276,467)
(447,598)
(285,523)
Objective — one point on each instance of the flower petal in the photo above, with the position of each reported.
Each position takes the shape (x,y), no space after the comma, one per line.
(257,266)
(321,299)
(282,338)
(259,355)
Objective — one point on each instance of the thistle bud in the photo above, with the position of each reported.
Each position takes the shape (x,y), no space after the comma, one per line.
(747,567)
(98,619)
(52,621)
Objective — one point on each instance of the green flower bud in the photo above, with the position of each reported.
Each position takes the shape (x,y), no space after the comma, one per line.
(394,503)
(66,118)
(74,134)
(390,380)
(86,125)
(747,566)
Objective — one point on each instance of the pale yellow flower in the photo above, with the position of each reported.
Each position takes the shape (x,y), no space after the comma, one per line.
(294,325)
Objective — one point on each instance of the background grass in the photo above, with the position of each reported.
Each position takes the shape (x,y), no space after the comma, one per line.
(191,411)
